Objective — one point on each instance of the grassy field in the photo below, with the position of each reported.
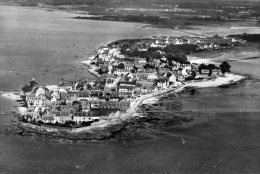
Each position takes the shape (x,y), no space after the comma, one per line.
(247,51)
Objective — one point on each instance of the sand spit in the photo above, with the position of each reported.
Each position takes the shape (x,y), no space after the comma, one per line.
(219,81)
(153,97)
(11,95)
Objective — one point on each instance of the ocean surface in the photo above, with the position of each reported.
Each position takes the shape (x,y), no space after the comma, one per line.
(222,138)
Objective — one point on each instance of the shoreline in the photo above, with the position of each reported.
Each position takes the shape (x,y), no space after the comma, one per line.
(227,79)
(131,112)
(92,68)
(10,95)
(116,119)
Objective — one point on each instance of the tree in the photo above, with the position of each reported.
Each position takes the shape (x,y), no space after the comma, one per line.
(80,86)
(135,68)
(69,123)
(40,122)
(193,74)
(210,68)
(170,62)
(202,66)
(169,75)
(132,70)
(84,123)
(121,66)
(225,67)
(146,66)
(100,71)
(28,87)
(181,58)
(170,56)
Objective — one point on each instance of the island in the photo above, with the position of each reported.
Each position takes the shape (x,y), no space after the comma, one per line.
(129,73)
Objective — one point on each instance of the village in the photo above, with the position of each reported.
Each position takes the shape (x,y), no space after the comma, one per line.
(126,70)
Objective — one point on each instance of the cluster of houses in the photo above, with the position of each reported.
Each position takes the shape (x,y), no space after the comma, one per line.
(207,43)
(73,102)
(123,80)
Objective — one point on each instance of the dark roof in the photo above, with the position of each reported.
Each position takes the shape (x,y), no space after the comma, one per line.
(127,83)
(81,114)
(103,66)
(126,87)
(63,113)
(48,118)
(104,76)
(30,95)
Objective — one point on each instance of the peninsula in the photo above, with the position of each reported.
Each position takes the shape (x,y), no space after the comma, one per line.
(129,72)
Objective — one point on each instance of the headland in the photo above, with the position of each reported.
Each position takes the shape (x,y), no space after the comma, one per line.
(129,72)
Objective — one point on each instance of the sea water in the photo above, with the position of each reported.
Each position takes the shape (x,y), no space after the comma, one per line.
(47,45)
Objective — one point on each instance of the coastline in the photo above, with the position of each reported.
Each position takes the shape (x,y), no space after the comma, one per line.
(10,95)
(91,68)
(227,79)
(131,112)
(116,119)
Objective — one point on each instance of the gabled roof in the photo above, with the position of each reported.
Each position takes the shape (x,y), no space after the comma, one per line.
(31,94)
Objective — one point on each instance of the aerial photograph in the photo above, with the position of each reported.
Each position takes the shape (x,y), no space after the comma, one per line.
(130,86)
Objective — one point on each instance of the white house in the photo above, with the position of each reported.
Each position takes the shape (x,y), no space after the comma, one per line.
(129,66)
(172,79)
(140,60)
(61,119)
(36,101)
(162,83)
(80,119)
(152,76)
(120,72)
(125,89)
(184,72)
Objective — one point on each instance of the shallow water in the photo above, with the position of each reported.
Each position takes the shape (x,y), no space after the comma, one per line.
(227,141)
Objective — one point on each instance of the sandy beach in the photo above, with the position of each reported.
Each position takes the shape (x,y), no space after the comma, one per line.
(10,95)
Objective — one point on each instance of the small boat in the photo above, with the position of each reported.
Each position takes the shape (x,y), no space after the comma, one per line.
(2,113)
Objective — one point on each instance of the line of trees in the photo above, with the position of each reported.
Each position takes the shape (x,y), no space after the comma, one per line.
(181,58)
(224,66)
